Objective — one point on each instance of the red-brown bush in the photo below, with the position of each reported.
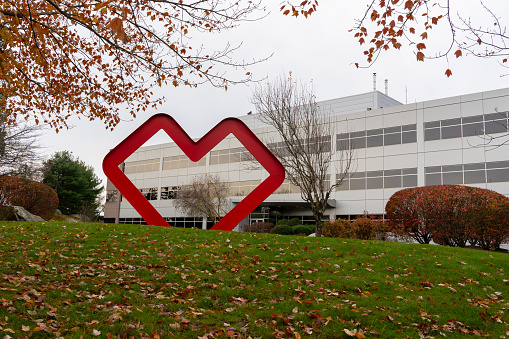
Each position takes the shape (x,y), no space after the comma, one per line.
(258,227)
(450,215)
(339,228)
(35,197)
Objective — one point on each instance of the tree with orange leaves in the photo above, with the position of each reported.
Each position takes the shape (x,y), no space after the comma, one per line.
(388,24)
(60,58)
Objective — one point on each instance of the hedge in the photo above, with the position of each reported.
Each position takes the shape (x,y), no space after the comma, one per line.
(451,215)
(35,197)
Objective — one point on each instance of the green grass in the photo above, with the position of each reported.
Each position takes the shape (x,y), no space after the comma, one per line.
(116,281)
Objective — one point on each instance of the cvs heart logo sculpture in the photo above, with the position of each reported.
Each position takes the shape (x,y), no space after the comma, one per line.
(195,151)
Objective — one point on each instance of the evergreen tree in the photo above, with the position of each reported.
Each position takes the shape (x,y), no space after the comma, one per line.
(76,184)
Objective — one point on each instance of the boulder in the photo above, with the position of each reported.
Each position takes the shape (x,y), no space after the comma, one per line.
(25,215)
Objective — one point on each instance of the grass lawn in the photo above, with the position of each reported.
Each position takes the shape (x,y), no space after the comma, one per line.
(120,281)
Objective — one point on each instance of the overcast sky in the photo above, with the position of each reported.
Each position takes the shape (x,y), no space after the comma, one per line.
(319,49)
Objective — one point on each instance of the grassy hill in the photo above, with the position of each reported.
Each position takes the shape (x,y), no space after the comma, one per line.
(121,281)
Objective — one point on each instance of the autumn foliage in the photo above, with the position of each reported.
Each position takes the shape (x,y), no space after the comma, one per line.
(450,215)
(96,59)
(363,227)
(37,198)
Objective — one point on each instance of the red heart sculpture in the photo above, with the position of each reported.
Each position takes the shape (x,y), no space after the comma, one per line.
(195,151)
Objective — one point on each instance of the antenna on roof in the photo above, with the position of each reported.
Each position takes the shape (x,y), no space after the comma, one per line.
(387,87)
(374,82)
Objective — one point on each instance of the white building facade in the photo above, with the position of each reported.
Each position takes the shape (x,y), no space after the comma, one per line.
(446,141)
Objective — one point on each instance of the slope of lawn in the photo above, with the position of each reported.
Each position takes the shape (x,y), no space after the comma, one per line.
(120,281)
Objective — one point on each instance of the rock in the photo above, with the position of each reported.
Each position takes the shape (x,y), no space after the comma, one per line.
(25,215)
(312,235)
(57,212)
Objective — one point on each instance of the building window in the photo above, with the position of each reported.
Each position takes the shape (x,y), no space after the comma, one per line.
(469,126)
(149,193)
(377,137)
(406,177)
(181,161)
(142,166)
(112,196)
(169,192)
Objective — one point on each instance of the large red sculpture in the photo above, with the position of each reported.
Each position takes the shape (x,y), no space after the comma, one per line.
(195,151)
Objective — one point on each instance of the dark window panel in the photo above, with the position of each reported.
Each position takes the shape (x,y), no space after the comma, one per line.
(357,184)
(374,173)
(452,168)
(375,183)
(392,139)
(475,118)
(499,126)
(409,137)
(392,182)
(357,134)
(495,116)
(342,136)
(432,134)
(412,127)
(410,171)
(433,169)
(453,178)
(451,132)
(432,124)
(389,173)
(375,141)
(392,130)
(474,166)
(359,142)
(475,177)
(358,175)
(497,164)
(498,175)
(342,145)
(344,186)
(450,122)
(433,179)
(473,129)
(410,181)
(375,131)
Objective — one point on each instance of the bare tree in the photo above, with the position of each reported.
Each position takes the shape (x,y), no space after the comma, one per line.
(304,141)
(19,150)
(205,196)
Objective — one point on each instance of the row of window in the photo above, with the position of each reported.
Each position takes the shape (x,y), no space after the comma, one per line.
(466,127)
(406,177)
(377,137)
(312,145)
(181,161)
(475,173)
(434,130)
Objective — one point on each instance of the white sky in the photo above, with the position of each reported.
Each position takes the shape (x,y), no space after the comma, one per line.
(319,49)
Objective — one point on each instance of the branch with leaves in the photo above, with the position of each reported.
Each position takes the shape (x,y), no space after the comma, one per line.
(87,58)
(389,24)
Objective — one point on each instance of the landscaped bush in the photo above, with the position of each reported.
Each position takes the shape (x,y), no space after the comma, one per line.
(35,197)
(282,229)
(339,228)
(282,222)
(363,228)
(258,227)
(450,215)
(312,228)
(294,222)
(302,229)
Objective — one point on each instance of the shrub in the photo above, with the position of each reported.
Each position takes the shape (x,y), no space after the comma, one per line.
(451,215)
(339,228)
(7,213)
(294,222)
(302,229)
(363,228)
(282,229)
(312,228)
(258,227)
(282,222)
(35,197)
